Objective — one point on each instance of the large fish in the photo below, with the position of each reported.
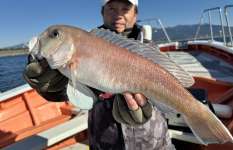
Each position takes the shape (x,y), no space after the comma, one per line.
(86,58)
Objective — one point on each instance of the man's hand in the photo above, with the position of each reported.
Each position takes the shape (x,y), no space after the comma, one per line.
(132,109)
(134,101)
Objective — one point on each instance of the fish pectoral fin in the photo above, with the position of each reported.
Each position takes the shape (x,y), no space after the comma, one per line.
(208,128)
(80,96)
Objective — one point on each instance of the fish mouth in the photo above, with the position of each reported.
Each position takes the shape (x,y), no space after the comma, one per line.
(34,48)
(52,51)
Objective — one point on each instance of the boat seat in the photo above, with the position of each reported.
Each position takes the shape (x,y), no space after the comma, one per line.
(53,135)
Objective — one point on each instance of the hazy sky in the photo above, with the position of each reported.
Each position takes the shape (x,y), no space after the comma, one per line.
(22,19)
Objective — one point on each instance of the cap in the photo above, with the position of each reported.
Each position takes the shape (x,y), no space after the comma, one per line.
(134,2)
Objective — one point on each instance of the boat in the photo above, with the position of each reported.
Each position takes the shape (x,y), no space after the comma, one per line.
(28,121)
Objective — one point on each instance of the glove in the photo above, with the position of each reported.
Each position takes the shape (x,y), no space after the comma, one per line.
(50,84)
(123,114)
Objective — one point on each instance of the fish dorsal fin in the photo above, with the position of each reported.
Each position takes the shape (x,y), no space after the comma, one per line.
(149,51)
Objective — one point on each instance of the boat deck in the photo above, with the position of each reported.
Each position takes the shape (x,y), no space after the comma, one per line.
(202,64)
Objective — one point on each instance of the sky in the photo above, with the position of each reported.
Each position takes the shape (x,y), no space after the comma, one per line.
(22,19)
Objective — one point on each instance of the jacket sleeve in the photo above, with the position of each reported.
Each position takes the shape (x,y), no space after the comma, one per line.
(151,135)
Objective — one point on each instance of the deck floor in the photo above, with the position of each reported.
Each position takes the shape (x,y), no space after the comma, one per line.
(202,64)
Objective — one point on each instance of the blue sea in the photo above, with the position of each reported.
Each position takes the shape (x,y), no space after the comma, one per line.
(11,69)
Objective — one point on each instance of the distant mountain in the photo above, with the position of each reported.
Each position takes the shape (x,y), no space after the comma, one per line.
(179,32)
(187,32)
(18,46)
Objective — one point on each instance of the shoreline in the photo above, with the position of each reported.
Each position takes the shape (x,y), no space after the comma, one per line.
(5,53)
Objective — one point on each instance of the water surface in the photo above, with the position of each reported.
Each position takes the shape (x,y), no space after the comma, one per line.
(11,69)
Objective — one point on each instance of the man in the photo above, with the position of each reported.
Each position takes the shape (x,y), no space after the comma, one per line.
(104,131)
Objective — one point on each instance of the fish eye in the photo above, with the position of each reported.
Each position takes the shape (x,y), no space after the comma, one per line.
(54,34)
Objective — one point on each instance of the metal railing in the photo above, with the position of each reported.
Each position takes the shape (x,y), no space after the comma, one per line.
(227,22)
(210,23)
(150,21)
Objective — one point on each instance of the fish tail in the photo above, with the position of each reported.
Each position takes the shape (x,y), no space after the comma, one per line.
(208,128)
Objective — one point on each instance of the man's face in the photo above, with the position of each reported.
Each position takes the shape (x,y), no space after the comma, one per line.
(118,15)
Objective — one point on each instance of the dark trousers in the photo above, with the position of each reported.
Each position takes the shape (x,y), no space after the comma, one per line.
(103,131)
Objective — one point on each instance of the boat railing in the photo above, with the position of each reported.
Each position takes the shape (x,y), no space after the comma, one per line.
(226,14)
(153,22)
(13,92)
(210,22)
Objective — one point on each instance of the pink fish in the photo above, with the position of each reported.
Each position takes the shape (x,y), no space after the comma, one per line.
(92,61)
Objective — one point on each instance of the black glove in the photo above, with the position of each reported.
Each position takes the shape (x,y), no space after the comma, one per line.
(50,84)
(122,114)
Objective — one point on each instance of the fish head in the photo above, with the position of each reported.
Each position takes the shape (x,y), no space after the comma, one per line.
(54,44)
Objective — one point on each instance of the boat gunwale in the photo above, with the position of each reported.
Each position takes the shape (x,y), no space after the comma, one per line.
(215,44)
(14,92)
